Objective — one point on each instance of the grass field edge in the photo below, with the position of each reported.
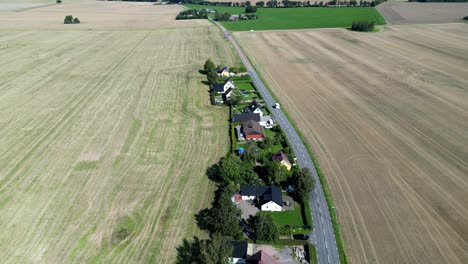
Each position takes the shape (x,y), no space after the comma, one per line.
(326,191)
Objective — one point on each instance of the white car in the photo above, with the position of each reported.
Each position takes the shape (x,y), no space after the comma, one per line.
(277,106)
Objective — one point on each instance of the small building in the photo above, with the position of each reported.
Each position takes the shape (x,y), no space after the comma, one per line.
(239,253)
(254,107)
(240,135)
(281,157)
(261,257)
(243,117)
(221,88)
(268,197)
(252,130)
(223,72)
(266,121)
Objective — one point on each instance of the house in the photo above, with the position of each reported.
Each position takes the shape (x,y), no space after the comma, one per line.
(283,159)
(243,117)
(268,197)
(266,121)
(252,130)
(254,107)
(223,72)
(221,88)
(227,94)
(261,257)
(239,253)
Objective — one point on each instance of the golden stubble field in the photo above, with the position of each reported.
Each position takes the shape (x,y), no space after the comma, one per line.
(105,136)
(386,114)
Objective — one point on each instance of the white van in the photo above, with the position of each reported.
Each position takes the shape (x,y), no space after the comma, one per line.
(277,106)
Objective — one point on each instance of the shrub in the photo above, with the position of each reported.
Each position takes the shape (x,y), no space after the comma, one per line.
(465,18)
(70,20)
(251,9)
(364,26)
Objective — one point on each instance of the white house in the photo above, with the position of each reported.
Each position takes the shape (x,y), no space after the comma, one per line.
(221,88)
(268,197)
(254,108)
(266,121)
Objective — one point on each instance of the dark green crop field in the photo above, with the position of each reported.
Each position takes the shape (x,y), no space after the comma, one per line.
(298,18)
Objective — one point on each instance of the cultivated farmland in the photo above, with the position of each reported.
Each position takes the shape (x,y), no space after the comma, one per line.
(105,135)
(422,13)
(386,115)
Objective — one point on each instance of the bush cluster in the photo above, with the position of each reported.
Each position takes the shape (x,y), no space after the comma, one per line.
(70,20)
(192,14)
(365,26)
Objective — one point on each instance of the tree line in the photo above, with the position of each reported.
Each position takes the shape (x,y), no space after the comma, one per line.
(288,3)
(192,14)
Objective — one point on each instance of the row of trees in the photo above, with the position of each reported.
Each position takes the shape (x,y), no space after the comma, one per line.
(288,3)
(192,14)
(222,16)
(365,26)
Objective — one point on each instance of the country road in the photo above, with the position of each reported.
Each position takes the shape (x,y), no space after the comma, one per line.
(322,236)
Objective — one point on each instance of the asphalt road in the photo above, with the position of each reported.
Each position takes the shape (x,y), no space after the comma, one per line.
(322,236)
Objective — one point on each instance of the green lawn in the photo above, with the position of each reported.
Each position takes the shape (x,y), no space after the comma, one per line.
(299,18)
(291,217)
(244,85)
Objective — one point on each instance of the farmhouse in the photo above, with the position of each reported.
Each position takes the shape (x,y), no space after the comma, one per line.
(243,117)
(223,72)
(239,254)
(283,159)
(252,130)
(268,197)
(254,107)
(221,88)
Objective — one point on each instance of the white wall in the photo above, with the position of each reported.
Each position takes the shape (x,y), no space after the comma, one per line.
(272,207)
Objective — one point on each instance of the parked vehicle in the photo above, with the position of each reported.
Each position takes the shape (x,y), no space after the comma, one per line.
(301,237)
(277,106)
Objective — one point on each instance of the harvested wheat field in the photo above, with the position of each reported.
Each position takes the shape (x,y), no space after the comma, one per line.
(105,136)
(386,114)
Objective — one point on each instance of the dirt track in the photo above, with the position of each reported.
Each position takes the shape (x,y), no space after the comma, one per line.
(386,115)
(422,13)
(99,126)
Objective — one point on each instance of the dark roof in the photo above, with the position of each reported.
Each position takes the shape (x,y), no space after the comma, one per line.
(253,190)
(240,249)
(273,194)
(253,105)
(266,193)
(261,257)
(280,156)
(222,69)
(251,127)
(242,117)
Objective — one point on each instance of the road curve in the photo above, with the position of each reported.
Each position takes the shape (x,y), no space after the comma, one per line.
(322,236)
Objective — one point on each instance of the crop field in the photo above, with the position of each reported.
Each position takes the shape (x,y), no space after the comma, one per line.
(298,18)
(422,13)
(386,115)
(106,136)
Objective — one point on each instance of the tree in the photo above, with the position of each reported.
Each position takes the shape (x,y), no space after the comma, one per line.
(304,183)
(250,151)
(209,66)
(70,20)
(263,227)
(230,169)
(216,250)
(276,173)
(260,4)
(225,216)
(251,9)
(365,26)
(212,77)
(236,97)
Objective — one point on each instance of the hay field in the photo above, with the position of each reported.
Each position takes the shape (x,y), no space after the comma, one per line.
(386,114)
(105,136)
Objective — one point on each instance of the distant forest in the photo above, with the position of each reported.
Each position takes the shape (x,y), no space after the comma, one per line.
(439,1)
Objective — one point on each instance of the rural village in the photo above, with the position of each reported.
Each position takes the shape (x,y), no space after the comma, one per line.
(232,131)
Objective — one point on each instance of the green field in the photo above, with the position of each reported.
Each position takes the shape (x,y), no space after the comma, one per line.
(298,18)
